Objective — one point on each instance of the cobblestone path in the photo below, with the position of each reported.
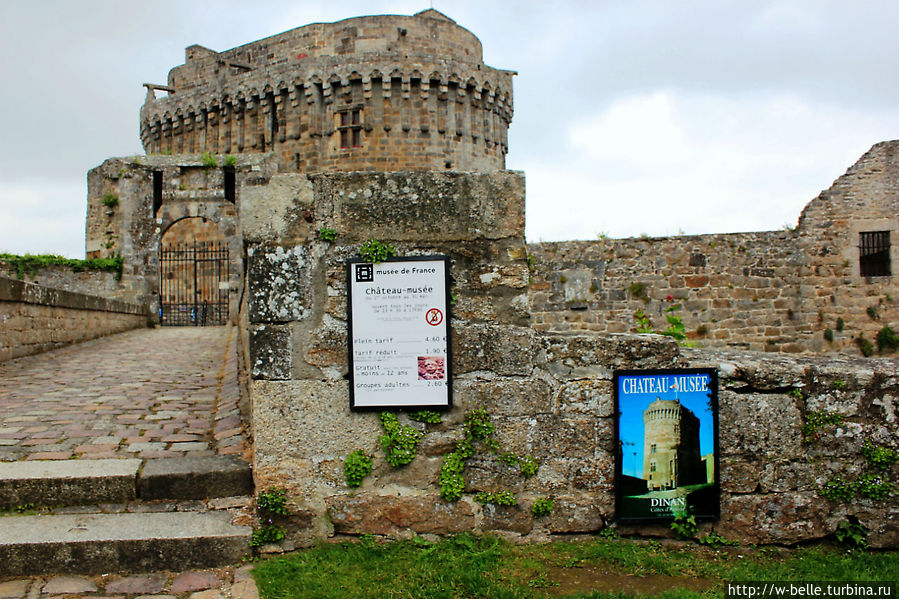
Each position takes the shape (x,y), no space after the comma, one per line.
(147,393)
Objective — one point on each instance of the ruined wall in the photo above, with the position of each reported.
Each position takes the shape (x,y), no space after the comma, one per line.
(548,394)
(414,90)
(36,319)
(768,291)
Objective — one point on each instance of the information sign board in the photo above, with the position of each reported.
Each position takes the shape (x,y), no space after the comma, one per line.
(667,437)
(399,336)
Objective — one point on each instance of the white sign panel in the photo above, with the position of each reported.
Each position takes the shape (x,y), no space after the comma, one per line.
(399,352)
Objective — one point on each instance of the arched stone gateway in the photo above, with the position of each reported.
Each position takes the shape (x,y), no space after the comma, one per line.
(193,274)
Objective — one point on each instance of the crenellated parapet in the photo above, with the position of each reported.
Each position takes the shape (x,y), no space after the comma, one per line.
(409,93)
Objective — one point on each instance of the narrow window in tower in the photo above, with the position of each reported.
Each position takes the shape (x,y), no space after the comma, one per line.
(874,254)
(157,192)
(229,184)
(350,128)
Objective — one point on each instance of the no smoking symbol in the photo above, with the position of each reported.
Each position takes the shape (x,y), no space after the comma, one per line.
(434,317)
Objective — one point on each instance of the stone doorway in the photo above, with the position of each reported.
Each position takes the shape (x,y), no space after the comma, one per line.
(193,274)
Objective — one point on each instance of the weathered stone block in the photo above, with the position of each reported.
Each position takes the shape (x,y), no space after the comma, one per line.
(271,354)
(391,515)
(434,206)
(502,517)
(504,397)
(577,513)
(279,283)
(505,350)
(274,212)
(764,425)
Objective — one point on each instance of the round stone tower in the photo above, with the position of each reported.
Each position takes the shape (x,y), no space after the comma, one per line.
(671,456)
(376,93)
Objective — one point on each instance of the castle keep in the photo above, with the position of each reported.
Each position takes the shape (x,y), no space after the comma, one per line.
(380,93)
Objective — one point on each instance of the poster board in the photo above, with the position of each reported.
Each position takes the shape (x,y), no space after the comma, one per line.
(666,435)
(399,334)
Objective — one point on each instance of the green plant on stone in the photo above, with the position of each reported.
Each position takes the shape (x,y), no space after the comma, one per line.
(644,324)
(30,264)
(815,421)
(426,416)
(272,502)
(872,312)
(796,392)
(676,328)
(497,498)
(528,466)
(874,486)
(638,290)
(864,345)
(270,505)
(110,200)
(398,441)
(266,534)
(887,340)
(684,527)
(841,324)
(852,534)
(879,456)
(451,479)
(713,539)
(376,252)
(838,385)
(208,160)
(478,429)
(356,467)
(828,335)
(541,507)
(327,234)
(837,490)
(230,161)
(609,532)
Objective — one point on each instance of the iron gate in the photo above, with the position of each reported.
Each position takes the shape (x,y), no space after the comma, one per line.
(193,285)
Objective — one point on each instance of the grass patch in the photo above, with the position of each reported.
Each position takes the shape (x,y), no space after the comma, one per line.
(30,264)
(487,567)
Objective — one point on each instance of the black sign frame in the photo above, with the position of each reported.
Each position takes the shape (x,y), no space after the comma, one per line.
(639,500)
(446,317)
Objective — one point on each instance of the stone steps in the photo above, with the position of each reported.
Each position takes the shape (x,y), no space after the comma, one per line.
(80,482)
(139,542)
(123,515)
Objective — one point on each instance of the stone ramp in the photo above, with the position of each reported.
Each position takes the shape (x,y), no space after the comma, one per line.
(146,394)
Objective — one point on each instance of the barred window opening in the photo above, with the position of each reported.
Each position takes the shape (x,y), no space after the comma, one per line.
(874,254)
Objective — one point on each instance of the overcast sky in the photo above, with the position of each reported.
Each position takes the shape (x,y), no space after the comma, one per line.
(631,117)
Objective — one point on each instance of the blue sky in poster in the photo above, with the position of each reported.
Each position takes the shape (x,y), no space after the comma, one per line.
(631,405)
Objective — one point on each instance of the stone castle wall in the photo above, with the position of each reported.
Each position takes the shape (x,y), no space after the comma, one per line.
(36,318)
(413,89)
(768,291)
(549,394)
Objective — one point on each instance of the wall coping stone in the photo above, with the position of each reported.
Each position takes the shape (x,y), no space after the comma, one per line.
(12,290)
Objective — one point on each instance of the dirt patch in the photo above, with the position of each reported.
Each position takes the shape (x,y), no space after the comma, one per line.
(590,578)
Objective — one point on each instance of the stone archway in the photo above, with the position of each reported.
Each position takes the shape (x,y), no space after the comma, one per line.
(194,270)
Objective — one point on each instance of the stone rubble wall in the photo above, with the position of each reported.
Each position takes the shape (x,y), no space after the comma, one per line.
(426,100)
(548,393)
(767,291)
(36,319)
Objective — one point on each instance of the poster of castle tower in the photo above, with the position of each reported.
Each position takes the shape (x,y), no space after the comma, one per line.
(667,439)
